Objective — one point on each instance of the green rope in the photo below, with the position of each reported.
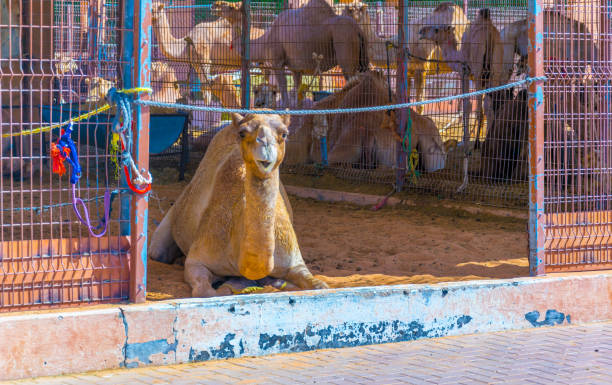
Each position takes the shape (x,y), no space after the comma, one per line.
(412,156)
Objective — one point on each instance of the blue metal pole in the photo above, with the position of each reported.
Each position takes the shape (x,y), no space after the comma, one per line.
(402,90)
(245,81)
(537,216)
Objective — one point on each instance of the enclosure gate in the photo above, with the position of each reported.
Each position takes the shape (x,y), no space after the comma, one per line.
(59,58)
(571,159)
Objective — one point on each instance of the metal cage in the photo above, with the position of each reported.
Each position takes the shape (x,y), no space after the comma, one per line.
(59,58)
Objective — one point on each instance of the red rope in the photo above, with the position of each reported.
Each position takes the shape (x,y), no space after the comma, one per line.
(126,170)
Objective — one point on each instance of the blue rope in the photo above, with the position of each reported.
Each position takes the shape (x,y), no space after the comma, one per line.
(187,107)
(65,141)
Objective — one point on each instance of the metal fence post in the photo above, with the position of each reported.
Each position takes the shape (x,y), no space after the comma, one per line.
(140,203)
(127,69)
(536,140)
(245,81)
(401,87)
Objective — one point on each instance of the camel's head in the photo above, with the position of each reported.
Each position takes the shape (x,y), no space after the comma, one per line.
(266,95)
(229,11)
(98,88)
(65,63)
(156,10)
(358,11)
(262,141)
(438,33)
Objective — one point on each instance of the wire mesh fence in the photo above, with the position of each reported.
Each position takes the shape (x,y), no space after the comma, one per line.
(61,59)
(577,142)
(319,55)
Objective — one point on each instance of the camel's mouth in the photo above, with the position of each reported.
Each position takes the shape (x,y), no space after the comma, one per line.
(264,164)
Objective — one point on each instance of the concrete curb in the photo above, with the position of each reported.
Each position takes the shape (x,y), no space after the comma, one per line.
(180,331)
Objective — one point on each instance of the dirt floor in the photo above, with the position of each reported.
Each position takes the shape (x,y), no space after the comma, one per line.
(347,245)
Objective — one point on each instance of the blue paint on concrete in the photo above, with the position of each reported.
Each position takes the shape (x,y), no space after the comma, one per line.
(142,351)
(463,320)
(356,334)
(195,356)
(225,350)
(552,318)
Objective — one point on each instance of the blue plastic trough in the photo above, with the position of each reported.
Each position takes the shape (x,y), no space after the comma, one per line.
(164,129)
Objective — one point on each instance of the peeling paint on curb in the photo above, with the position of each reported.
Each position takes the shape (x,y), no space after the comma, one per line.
(189,330)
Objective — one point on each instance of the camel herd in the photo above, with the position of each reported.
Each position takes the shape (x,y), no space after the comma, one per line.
(317,37)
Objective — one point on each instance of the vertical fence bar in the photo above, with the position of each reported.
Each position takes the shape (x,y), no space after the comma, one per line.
(127,69)
(140,202)
(465,6)
(245,81)
(536,140)
(401,89)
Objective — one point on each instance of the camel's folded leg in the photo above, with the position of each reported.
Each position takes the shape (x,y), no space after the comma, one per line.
(199,277)
(419,84)
(163,248)
(301,277)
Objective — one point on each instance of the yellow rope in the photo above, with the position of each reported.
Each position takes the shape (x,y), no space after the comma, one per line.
(86,115)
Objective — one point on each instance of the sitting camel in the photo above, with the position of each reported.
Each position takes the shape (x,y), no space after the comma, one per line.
(164,83)
(367,138)
(480,56)
(296,34)
(445,13)
(234,217)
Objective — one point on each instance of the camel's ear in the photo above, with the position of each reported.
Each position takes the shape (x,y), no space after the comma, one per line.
(286,119)
(236,119)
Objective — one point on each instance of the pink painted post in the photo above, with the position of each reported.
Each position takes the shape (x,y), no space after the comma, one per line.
(140,202)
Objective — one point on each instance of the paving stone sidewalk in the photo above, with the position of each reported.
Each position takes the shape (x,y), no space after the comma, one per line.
(561,355)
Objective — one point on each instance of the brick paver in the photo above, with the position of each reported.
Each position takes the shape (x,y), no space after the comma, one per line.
(562,355)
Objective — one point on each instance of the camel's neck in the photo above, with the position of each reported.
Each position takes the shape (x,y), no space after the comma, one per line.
(257,46)
(452,56)
(170,46)
(257,244)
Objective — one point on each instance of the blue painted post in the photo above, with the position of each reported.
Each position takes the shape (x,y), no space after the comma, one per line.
(537,216)
(140,202)
(401,89)
(245,47)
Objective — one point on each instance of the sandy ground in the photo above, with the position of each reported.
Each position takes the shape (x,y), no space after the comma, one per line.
(349,246)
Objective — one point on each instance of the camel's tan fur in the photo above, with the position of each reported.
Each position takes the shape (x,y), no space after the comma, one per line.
(580,48)
(370,137)
(445,13)
(164,82)
(480,56)
(298,33)
(206,47)
(234,218)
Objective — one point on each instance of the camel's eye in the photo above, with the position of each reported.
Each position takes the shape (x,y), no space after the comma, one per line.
(242,133)
(284,135)
(274,93)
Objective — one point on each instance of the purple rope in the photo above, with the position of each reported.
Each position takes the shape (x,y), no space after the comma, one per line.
(87,222)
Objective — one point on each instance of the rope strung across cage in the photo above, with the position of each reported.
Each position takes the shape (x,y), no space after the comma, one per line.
(186,107)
